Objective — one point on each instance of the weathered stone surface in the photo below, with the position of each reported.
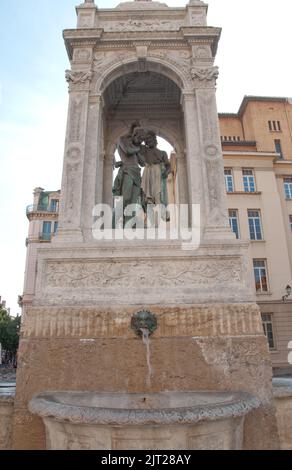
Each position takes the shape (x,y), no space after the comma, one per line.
(193,358)
(115,322)
(186,420)
(283,401)
(6,413)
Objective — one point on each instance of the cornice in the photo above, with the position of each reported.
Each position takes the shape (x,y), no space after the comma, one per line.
(245,154)
(42,215)
(184,36)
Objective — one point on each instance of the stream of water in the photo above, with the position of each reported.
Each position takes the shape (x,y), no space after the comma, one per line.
(146,341)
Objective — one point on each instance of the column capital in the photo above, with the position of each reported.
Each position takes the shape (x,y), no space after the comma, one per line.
(204,77)
(78,80)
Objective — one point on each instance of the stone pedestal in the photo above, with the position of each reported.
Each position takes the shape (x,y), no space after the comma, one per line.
(78,335)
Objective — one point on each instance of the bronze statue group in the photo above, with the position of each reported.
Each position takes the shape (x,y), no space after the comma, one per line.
(138,149)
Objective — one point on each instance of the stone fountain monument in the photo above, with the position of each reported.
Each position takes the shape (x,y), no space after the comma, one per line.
(80,359)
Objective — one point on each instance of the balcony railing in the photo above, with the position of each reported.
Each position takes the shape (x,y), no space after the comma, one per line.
(41,208)
(45,237)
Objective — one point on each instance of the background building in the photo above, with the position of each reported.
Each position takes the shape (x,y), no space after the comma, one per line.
(257,151)
(43,224)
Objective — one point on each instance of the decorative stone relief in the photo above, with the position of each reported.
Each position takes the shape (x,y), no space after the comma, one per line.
(82,55)
(205,75)
(212,152)
(75,120)
(202,52)
(72,175)
(214,185)
(180,59)
(127,274)
(78,80)
(103,61)
(142,25)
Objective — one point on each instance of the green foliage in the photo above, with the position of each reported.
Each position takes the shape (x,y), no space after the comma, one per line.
(9,333)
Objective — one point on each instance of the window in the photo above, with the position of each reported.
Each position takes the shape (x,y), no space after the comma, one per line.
(55,227)
(248,181)
(47,228)
(268,329)
(228,180)
(288,188)
(54,205)
(233,221)
(290,220)
(274,126)
(260,275)
(255,226)
(278,147)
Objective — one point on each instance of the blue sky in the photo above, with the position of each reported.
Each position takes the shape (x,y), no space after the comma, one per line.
(254,58)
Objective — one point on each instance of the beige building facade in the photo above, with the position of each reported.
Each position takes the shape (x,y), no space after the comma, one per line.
(257,151)
(43,224)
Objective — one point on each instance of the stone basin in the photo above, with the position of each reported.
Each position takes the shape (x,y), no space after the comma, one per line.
(282,390)
(7,392)
(150,421)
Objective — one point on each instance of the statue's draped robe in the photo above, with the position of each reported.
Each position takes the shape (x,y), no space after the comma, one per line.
(154,185)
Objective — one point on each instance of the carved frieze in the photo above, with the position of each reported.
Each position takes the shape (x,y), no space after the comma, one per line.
(125,274)
(142,25)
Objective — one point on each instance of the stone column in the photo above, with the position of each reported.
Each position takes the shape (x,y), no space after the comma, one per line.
(92,162)
(181,177)
(193,151)
(108,180)
(216,221)
(75,143)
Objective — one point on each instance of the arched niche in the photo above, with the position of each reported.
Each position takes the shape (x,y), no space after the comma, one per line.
(154,100)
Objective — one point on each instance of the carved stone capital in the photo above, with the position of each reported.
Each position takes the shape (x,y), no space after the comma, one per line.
(205,76)
(78,81)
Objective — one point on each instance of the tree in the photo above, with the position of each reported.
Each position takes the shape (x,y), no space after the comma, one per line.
(9,334)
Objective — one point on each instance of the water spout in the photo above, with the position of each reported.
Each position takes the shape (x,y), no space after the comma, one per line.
(144,323)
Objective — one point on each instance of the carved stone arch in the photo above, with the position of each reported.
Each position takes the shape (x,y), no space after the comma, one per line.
(120,67)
